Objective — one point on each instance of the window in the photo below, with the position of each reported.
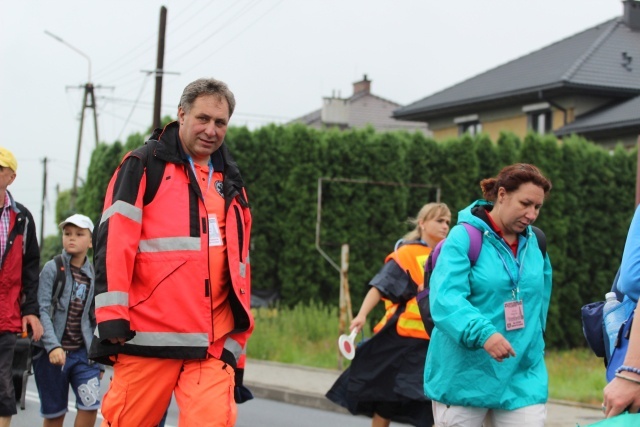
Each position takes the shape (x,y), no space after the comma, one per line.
(539,121)
(468,124)
(473,128)
(538,117)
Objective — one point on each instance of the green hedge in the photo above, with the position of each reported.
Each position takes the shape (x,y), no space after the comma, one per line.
(585,217)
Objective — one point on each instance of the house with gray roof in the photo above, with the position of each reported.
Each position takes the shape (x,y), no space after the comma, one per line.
(361,109)
(587,84)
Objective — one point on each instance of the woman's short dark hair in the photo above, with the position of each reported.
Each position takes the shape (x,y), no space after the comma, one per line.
(511,178)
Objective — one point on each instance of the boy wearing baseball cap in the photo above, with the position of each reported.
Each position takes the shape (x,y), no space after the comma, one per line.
(68,329)
(19,265)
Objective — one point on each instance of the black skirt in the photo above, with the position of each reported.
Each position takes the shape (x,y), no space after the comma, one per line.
(386,377)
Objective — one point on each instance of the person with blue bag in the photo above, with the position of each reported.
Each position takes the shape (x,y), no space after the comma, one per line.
(623,371)
(486,357)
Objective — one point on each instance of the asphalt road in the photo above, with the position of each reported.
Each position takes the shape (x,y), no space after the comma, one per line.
(254,413)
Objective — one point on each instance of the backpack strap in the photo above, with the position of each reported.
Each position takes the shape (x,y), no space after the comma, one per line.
(59,282)
(154,168)
(475,245)
(475,242)
(542,240)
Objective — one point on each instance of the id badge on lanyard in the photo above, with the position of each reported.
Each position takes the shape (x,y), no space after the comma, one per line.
(215,239)
(514,315)
(514,309)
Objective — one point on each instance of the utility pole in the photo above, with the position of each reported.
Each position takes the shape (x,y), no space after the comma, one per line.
(159,66)
(88,94)
(44,199)
(159,71)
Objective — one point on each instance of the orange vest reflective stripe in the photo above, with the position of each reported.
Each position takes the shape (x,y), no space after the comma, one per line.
(411,258)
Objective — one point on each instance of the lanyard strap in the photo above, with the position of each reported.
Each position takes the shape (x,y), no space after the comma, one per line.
(193,168)
(515,289)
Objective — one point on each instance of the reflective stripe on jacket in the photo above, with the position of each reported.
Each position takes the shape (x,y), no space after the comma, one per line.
(410,258)
(152,270)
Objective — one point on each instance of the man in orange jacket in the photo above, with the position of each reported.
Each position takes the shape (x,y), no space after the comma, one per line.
(172,271)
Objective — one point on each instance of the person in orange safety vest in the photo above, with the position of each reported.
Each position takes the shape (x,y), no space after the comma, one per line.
(385,378)
(173,283)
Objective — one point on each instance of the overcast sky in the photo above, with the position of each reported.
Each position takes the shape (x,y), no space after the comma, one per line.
(279,57)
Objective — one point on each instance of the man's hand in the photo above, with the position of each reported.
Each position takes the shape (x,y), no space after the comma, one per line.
(498,347)
(118,340)
(36,326)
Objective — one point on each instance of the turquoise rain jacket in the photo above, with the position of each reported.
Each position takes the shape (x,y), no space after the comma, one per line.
(467,305)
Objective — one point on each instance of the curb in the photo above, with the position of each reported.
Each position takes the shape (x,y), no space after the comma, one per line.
(312,400)
(316,380)
(574,404)
(294,397)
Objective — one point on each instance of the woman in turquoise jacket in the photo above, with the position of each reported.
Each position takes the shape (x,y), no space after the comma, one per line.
(479,363)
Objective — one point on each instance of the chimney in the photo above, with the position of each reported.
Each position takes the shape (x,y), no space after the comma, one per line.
(631,17)
(363,86)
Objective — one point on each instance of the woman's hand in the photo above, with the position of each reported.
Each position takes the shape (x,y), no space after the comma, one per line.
(498,347)
(621,394)
(358,322)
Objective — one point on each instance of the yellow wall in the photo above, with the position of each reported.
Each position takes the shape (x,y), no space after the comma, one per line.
(558,118)
(517,125)
(442,134)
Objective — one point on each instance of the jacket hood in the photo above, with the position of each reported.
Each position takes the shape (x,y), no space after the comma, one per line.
(476,215)
(468,215)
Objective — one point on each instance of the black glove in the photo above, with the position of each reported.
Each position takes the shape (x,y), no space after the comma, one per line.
(241,393)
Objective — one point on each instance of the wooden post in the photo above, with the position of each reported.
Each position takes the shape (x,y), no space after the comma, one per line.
(346,315)
(344,279)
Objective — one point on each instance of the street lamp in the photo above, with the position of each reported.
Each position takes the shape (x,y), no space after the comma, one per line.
(88,92)
(74,48)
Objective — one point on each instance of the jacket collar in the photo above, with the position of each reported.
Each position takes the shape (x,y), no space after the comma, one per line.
(169,149)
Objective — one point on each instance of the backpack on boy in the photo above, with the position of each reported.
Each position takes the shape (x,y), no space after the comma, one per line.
(475,245)
(58,284)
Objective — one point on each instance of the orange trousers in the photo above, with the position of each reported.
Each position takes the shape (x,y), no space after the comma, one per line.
(141,389)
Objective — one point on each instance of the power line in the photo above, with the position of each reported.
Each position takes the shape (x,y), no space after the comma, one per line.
(144,83)
(235,113)
(108,113)
(198,12)
(147,44)
(187,40)
(208,37)
(238,35)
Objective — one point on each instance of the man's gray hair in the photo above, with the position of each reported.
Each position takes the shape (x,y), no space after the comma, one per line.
(205,86)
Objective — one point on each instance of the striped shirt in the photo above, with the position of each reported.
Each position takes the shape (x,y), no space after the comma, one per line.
(72,336)
(4,224)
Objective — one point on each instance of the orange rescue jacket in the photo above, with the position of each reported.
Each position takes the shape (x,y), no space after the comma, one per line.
(151,261)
